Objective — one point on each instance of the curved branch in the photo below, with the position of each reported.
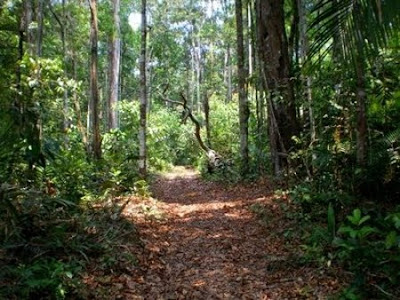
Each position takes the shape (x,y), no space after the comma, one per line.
(192,118)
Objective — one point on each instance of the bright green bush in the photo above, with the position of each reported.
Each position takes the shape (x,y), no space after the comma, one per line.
(169,141)
(224,128)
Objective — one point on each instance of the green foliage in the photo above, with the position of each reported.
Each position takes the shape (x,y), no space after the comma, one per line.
(141,188)
(47,241)
(368,245)
(70,172)
(44,278)
(224,128)
(120,154)
(315,201)
(169,141)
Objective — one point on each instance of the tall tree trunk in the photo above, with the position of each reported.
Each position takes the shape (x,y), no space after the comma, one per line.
(77,106)
(303,48)
(361,95)
(143,97)
(228,74)
(18,103)
(250,38)
(206,108)
(275,70)
(28,6)
(114,68)
(94,92)
(39,40)
(62,24)
(243,103)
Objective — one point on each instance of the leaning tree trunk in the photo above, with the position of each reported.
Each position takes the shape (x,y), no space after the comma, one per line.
(94,92)
(143,98)
(114,68)
(243,103)
(215,160)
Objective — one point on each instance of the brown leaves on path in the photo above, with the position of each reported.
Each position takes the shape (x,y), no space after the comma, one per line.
(209,245)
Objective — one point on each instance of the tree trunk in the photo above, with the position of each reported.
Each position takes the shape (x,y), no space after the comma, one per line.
(28,6)
(94,92)
(143,97)
(228,74)
(275,70)
(39,41)
(361,97)
(250,38)
(66,122)
(114,68)
(206,108)
(77,106)
(243,103)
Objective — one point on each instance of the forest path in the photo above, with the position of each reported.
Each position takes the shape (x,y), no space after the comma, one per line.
(209,245)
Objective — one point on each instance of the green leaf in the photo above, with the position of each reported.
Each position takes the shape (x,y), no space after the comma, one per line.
(391,239)
(348,230)
(363,219)
(355,218)
(366,231)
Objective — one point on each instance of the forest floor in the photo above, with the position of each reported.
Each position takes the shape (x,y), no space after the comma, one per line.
(204,240)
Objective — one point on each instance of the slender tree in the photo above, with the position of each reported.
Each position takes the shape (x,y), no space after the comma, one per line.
(115,54)
(143,96)
(94,92)
(243,102)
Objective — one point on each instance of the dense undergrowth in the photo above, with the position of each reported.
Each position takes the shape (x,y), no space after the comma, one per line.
(60,213)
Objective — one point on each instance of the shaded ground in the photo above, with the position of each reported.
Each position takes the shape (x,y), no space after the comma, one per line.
(202,241)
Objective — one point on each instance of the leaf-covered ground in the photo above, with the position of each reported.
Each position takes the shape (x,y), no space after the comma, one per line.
(202,240)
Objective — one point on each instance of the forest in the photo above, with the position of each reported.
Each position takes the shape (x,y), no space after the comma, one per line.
(210,149)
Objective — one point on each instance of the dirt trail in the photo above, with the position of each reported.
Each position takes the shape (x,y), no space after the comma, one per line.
(209,245)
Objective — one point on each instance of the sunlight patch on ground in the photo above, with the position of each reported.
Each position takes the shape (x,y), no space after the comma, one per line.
(180,172)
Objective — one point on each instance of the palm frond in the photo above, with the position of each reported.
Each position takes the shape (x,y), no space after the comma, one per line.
(362,27)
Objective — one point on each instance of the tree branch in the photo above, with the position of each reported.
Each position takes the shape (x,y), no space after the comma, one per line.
(192,118)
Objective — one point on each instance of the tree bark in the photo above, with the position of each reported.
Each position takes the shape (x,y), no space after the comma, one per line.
(77,106)
(243,103)
(143,97)
(66,122)
(361,95)
(228,74)
(206,108)
(94,92)
(39,41)
(275,70)
(114,68)
(28,6)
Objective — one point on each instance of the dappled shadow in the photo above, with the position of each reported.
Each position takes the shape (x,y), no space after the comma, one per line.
(210,246)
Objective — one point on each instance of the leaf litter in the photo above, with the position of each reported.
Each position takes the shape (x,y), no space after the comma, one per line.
(201,240)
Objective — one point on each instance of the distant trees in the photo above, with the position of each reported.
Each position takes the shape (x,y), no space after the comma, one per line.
(206,50)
